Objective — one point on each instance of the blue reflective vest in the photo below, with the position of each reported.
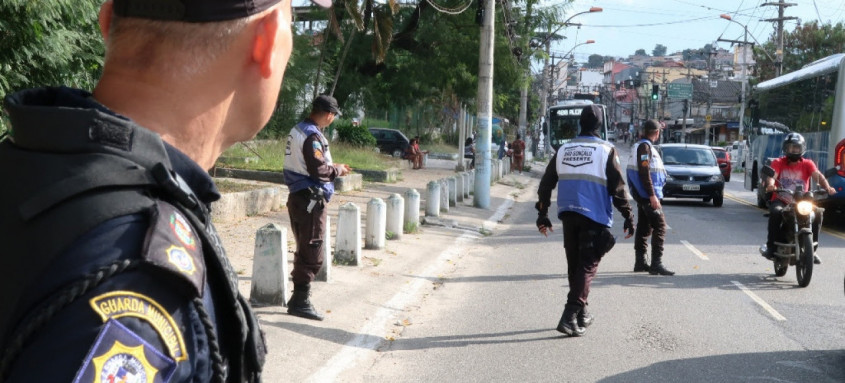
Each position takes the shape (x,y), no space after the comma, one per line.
(655,171)
(582,179)
(296,171)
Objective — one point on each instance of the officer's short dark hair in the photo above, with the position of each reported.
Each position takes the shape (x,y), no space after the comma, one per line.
(651,126)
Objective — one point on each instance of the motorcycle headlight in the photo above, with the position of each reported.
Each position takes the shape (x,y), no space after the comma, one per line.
(804,207)
(716,178)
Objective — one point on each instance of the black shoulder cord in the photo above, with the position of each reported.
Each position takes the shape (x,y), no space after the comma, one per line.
(213,343)
(61,299)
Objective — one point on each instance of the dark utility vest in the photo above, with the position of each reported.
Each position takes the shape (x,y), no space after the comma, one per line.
(64,171)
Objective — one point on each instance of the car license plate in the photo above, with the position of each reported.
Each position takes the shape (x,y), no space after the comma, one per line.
(688,187)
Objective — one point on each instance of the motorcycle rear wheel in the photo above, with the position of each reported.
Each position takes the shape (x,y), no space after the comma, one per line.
(781,266)
(804,266)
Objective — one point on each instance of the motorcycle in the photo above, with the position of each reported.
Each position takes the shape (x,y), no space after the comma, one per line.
(799,248)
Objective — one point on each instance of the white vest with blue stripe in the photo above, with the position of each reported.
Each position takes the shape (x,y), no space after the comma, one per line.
(582,179)
(295,171)
(655,171)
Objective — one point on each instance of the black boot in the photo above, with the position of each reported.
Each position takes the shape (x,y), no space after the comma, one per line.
(300,304)
(657,267)
(569,323)
(640,263)
(585,319)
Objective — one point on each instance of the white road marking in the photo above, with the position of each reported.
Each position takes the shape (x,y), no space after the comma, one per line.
(760,301)
(695,251)
(371,335)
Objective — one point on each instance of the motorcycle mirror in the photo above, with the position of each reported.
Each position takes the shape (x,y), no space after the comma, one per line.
(768,171)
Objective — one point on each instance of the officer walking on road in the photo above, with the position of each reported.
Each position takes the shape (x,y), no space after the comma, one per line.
(113,267)
(589,181)
(646,177)
(309,173)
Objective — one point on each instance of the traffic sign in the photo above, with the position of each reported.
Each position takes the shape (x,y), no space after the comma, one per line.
(708,118)
(680,91)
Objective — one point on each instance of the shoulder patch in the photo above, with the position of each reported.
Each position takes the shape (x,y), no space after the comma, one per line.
(118,304)
(120,355)
(644,157)
(172,244)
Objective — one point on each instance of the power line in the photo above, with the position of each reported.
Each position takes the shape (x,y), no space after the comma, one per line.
(450,11)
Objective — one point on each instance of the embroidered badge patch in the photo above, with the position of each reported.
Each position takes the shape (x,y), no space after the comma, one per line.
(120,355)
(644,164)
(182,229)
(181,259)
(167,246)
(118,304)
(644,157)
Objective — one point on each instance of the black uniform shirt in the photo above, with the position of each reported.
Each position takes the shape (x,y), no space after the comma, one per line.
(61,348)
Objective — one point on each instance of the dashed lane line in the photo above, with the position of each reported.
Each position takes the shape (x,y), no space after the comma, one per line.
(695,251)
(760,301)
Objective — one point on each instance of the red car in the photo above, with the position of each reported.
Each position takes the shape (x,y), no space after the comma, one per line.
(723,158)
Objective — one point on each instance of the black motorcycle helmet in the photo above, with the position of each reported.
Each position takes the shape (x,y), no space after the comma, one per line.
(792,140)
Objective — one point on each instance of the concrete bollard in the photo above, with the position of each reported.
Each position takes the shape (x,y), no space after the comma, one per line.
(325,273)
(270,266)
(453,191)
(459,187)
(465,176)
(348,246)
(376,222)
(395,216)
(499,169)
(432,200)
(444,196)
(412,210)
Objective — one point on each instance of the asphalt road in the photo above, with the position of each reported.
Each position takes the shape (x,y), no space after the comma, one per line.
(724,317)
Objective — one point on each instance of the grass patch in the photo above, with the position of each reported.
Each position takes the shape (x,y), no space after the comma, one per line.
(271,156)
(411,227)
(226,186)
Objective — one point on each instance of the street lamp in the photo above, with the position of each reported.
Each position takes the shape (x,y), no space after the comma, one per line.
(565,23)
(744,78)
(553,77)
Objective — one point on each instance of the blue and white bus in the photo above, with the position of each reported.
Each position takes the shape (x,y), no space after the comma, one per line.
(564,123)
(810,101)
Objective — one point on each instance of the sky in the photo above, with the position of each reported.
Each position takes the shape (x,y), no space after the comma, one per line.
(624,26)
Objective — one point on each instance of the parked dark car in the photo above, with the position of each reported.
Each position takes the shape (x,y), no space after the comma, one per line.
(390,141)
(692,172)
(723,158)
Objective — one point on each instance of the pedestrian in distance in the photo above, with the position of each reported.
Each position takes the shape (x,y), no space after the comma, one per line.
(646,177)
(518,148)
(469,150)
(309,174)
(114,268)
(589,183)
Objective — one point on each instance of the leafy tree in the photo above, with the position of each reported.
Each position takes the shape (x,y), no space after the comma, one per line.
(803,45)
(659,50)
(640,52)
(595,61)
(49,43)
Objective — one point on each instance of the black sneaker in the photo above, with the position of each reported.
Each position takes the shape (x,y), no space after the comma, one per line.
(768,253)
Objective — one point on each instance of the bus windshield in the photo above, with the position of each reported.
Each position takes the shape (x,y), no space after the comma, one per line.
(563,125)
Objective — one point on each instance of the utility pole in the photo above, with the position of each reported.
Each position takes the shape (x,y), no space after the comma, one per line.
(485,107)
(780,19)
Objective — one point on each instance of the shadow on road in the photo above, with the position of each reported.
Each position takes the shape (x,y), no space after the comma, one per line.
(790,366)
(697,281)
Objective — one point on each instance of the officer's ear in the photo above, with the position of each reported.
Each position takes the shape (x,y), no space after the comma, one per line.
(105,18)
(264,42)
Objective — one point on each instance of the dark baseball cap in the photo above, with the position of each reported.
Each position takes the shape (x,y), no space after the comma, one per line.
(196,11)
(327,104)
(591,118)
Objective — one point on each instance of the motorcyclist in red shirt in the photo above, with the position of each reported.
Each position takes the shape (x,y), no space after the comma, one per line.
(791,170)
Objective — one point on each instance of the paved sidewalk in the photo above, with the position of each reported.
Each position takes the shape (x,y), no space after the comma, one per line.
(367,306)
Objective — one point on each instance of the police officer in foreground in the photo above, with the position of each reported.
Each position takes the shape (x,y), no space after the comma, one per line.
(589,183)
(309,172)
(113,269)
(646,177)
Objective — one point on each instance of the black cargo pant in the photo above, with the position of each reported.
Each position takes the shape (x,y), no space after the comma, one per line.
(309,231)
(584,242)
(652,223)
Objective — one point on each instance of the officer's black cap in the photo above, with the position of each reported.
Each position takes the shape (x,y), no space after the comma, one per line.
(195,11)
(326,104)
(651,126)
(591,118)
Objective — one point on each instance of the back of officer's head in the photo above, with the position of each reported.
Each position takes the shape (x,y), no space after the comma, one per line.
(591,120)
(181,37)
(651,128)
